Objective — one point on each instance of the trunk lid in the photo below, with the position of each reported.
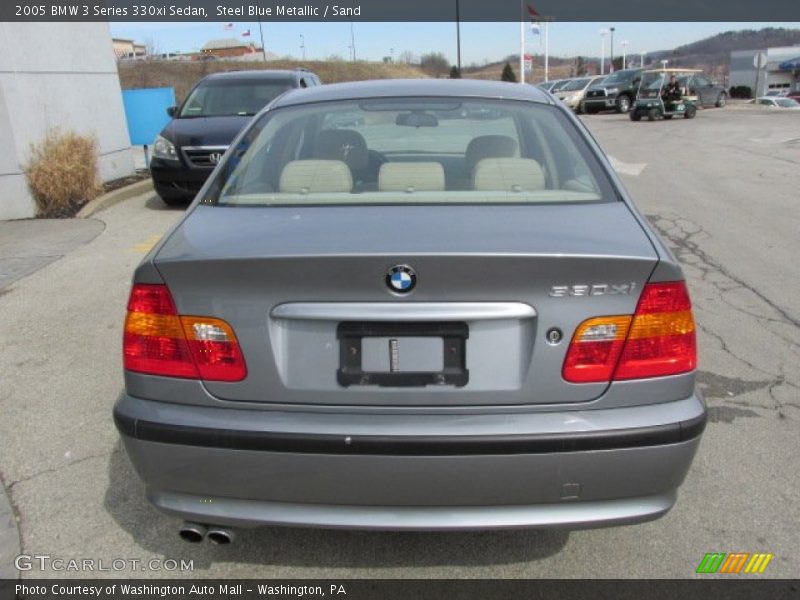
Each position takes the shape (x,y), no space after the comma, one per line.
(295,282)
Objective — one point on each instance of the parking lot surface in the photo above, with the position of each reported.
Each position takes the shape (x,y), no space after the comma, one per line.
(722,191)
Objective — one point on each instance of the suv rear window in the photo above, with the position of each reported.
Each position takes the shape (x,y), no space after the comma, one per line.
(407,151)
(222,98)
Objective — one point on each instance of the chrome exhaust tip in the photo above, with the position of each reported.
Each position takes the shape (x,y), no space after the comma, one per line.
(220,535)
(194,533)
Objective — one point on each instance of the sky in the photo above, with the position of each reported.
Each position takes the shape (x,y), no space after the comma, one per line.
(480,42)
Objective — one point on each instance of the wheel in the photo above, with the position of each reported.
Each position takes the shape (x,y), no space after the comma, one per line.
(623,104)
(722,100)
(691,112)
(652,114)
(636,115)
(176,201)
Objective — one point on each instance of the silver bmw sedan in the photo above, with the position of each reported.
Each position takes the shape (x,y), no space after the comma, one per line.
(410,305)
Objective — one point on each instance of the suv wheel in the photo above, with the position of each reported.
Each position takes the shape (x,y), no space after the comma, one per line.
(623,104)
(722,100)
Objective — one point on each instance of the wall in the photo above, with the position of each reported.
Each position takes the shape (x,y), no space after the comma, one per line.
(57,75)
(743,73)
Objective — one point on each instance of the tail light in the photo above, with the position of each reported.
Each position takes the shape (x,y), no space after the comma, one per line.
(658,340)
(158,341)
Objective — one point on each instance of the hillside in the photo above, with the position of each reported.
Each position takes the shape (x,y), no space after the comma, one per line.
(712,54)
(183,75)
(558,67)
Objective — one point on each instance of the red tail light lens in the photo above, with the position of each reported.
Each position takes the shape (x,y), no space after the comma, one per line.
(658,340)
(157,341)
(662,340)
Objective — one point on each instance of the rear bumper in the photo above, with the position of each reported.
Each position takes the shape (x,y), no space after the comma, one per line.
(254,467)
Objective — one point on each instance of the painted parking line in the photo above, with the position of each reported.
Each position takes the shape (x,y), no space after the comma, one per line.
(146,245)
(623,168)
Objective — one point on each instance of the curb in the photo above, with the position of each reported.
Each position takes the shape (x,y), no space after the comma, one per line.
(110,199)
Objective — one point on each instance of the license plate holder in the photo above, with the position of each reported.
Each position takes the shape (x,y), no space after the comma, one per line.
(454,342)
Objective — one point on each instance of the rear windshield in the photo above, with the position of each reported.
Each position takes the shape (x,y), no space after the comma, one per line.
(405,151)
(576,84)
(620,77)
(232,98)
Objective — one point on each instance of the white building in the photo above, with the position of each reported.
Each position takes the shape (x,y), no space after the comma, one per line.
(771,76)
(57,75)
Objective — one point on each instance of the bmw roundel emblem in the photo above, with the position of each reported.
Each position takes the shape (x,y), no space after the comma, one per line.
(401,279)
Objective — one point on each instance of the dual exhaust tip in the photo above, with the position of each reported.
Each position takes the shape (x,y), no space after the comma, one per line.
(194,533)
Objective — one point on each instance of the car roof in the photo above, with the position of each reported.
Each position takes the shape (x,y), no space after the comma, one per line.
(259,74)
(414,88)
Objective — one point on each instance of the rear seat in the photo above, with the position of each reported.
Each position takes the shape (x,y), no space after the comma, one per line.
(411,177)
(508,175)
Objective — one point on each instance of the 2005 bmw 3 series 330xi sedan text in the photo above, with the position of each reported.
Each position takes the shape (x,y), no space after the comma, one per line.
(411,305)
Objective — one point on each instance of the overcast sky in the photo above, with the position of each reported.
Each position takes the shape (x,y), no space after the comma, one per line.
(479,41)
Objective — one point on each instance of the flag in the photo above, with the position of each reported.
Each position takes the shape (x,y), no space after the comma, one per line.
(246,33)
(227,26)
(533,14)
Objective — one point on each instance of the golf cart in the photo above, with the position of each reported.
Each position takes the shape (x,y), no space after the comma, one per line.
(654,102)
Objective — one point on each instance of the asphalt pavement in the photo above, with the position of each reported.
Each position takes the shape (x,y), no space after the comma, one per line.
(722,190)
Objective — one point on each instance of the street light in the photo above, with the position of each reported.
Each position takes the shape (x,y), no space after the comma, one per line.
(664,64)
(611,66)
(624,45)
(603,34)
(642,57)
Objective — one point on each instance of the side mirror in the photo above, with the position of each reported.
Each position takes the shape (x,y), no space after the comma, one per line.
(172,111)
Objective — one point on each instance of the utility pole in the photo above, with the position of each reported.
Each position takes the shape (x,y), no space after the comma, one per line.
(353,41)
(624,45)
(458,34)
(303,45)
(603,34)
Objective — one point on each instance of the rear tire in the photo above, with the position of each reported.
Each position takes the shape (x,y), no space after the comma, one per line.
(691,112)
(173,201)
(623,104)
(636,115)
(722,100)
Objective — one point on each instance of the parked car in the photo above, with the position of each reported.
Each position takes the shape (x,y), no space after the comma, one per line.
(574,92)
(324,340)
(202,128)
(776,93)
(795,95)
(705,91)
(777,102)
(548,85)
(617,92)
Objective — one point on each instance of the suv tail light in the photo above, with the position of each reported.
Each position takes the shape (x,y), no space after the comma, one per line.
(658,340)
(158,341)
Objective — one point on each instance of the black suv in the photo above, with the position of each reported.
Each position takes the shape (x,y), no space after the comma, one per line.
(202,128)
(616,92)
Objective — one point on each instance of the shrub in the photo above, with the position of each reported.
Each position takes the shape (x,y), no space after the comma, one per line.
(62,173)
(741,91)
(508,74)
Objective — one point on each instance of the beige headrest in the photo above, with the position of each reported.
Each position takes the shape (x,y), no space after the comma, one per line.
(411,177)
(313,176)
(342,144)
(508,175)
(488,146)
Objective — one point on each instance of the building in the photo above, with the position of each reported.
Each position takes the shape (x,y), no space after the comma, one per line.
(776,72)
(128,49)
(57,76)
(230,48)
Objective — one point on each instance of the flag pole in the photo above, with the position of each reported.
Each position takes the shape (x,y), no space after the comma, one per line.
(546,51)
(521,44)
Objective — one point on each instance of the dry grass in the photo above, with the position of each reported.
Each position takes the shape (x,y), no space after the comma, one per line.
(183,75)
(62,173)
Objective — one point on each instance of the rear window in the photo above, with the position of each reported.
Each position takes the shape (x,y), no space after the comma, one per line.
(406,151)
(222,98)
